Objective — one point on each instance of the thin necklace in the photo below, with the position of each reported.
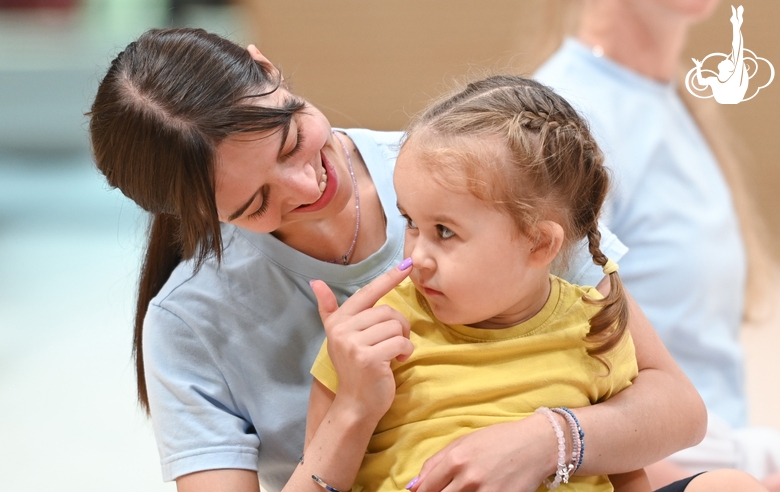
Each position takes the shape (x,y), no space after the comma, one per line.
(345,259)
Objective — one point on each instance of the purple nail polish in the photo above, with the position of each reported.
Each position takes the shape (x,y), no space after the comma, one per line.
(405,264)
(414,480)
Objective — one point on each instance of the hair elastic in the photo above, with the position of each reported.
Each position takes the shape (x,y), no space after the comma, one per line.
(610,266)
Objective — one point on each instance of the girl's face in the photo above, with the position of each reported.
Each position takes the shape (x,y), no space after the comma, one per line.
(470,262)
(267,184)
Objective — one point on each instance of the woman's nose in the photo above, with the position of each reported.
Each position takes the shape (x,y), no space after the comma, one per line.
(301,182)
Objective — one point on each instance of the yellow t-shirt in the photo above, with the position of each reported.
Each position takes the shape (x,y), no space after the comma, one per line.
(460,379)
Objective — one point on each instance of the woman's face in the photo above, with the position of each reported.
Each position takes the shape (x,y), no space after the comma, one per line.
(265,183)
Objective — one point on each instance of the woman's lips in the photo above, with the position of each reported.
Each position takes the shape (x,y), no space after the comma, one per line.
(332,185)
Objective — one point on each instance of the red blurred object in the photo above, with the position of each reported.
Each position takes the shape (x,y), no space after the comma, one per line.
(38,4)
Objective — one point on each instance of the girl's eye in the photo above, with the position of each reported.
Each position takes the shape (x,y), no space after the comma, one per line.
(444,232)
(409,222)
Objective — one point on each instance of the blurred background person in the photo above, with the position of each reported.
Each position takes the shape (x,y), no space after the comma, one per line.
(696,265)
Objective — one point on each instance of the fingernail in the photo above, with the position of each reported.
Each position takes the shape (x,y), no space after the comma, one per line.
(405,264)
(311,283)
(414,480)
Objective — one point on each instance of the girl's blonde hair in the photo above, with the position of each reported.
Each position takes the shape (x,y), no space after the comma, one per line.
(519,145)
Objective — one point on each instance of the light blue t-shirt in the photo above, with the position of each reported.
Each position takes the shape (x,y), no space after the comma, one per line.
(228,350)
(672,207)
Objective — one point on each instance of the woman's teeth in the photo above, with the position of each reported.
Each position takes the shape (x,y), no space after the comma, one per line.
(323,181)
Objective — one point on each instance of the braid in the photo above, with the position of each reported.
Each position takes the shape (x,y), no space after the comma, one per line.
(608,325)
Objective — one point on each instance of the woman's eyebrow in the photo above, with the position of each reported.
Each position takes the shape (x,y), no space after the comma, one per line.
(245,206)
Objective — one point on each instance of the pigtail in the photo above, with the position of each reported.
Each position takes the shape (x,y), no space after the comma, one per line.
(608,325)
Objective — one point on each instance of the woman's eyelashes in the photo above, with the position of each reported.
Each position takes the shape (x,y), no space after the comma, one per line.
(263,207)
(299,140)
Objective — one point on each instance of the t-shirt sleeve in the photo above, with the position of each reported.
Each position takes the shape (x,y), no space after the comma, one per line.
(581,269)
(195,418)
(323,370)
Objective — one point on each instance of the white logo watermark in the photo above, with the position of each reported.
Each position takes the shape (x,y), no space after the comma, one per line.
(730,84)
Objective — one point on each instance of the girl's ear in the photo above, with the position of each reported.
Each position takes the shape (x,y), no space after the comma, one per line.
(549,239)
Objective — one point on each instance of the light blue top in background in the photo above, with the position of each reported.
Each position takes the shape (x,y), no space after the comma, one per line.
(671,206)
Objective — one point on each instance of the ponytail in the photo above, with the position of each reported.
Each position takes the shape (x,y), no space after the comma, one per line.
(163,253)
(608,325)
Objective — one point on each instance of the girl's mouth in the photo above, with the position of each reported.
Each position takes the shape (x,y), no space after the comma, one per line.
(329,184)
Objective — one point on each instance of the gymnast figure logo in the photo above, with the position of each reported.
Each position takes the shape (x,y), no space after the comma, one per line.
(735,71)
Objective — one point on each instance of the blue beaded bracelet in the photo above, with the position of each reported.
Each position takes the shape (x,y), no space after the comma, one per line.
(582,437)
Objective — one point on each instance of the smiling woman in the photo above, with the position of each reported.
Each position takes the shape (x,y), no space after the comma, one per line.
(251,197)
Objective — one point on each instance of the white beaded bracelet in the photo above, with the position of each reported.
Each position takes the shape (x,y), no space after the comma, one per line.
(562,473)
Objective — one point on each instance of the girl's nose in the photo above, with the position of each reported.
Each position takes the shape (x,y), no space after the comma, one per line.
(421,254)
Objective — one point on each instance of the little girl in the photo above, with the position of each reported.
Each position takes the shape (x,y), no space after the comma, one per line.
(497,184)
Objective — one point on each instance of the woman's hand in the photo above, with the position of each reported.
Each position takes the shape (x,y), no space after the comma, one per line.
(661,410)
(363,339)
(515,456)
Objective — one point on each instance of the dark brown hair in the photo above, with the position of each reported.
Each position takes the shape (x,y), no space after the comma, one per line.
(162,108)
(548,168)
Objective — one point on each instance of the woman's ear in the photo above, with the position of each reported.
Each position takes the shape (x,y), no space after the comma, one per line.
(256,55)
(549,239)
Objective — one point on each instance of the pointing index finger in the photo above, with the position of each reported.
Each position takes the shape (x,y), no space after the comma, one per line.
(366,297)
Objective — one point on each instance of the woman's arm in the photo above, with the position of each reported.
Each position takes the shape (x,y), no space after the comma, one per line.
(661,410)
(362,339)
(334,454)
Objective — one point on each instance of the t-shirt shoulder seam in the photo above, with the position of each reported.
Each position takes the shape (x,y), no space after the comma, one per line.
(206,347)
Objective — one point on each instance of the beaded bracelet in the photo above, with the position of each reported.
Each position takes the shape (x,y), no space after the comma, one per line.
(580,435)
(576,442)
(562,473)
(322,484)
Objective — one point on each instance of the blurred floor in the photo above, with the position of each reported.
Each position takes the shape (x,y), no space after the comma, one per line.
(70,253)
(762,341)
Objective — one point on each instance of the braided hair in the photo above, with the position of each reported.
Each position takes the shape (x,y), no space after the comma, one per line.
(546,166)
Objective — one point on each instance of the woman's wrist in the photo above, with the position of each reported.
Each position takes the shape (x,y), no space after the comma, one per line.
(337,448)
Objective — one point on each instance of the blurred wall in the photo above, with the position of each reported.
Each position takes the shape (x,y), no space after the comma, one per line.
(375,63)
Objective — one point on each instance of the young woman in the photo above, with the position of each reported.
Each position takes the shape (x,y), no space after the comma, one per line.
(251,196)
